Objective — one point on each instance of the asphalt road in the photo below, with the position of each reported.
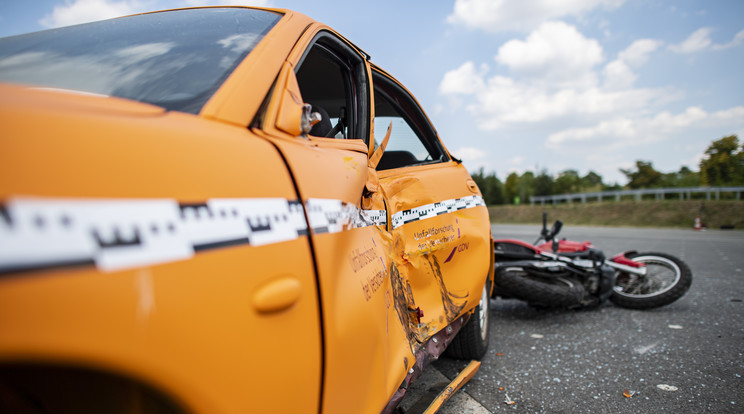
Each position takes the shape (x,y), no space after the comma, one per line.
(686,357)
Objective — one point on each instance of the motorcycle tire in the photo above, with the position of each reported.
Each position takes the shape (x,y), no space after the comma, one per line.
(472,340)
(538,291)
(667,279)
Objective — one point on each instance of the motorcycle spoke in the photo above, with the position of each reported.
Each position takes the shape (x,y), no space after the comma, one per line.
(662,275)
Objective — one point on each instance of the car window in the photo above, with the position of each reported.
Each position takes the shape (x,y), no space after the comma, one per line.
(171,59)
(332,78)
(413,140)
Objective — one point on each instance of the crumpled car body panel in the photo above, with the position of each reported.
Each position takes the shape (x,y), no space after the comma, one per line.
(222,261)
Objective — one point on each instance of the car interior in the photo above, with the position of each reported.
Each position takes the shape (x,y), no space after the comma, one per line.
(326,84)
(330,81)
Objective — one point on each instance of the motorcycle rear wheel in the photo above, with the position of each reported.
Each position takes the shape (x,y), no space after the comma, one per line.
(538,291)
(667,279)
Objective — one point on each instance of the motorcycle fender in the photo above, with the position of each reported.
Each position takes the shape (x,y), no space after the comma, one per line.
(623,259)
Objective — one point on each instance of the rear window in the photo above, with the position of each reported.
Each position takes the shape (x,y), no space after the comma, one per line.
(174,59)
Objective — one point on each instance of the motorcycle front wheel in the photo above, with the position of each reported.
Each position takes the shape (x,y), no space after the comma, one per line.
(667,279)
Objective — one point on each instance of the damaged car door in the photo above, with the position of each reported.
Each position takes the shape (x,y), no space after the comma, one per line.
(398,229)
(439,224)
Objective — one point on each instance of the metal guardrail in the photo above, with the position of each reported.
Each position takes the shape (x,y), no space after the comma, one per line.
(684,193)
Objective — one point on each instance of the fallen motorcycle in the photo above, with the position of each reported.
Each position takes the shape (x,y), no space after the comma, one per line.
(569,274)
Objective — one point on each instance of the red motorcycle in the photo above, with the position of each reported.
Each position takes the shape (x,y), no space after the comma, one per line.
(569,274)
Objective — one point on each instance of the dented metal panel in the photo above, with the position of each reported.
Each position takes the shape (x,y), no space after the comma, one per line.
(222,258)
(435,248)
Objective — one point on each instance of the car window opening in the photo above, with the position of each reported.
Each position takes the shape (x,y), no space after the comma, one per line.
(324,83)
(333,81)
(412,139)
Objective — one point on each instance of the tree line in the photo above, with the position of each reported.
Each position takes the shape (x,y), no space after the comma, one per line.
(722,165)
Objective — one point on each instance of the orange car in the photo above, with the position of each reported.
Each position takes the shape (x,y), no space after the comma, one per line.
(225,210)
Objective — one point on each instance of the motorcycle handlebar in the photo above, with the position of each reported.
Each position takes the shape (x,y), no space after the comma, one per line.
(557,226)
(544,232)
(549,235)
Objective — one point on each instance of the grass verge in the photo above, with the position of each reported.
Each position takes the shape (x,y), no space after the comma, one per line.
(675,214)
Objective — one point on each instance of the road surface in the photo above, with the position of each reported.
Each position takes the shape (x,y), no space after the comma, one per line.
(687,357)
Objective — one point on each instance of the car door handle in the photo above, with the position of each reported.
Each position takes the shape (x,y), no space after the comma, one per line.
(277,295)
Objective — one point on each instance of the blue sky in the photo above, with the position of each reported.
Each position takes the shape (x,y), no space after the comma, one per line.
(517,85)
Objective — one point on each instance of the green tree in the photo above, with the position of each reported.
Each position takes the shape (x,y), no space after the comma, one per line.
(568,182)
(495,191)
(612,187)
(526,186)
(490,186)
(511,187)
(543,184)
(723,163)
(644,176)
(591,182)
(685,177)
(480,180)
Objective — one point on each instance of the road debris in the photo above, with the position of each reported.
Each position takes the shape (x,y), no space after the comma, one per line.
(628,393)
(509,401)
(536,336)
(675,326)
(665,387)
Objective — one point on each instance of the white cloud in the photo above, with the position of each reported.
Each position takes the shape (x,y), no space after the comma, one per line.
(623,131)
(737,40)
(473,158)
(516,161)
(663,137)
(470,153)
(617,128)
(696,42)
(555,51)
(506,100)
(463,80)
(637,53)
(730,115)
(694,162)
(555,77)
(700,41)
(254,3)
(618,74)
(592,100)
(666,122)
(502,15)
(83,11)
